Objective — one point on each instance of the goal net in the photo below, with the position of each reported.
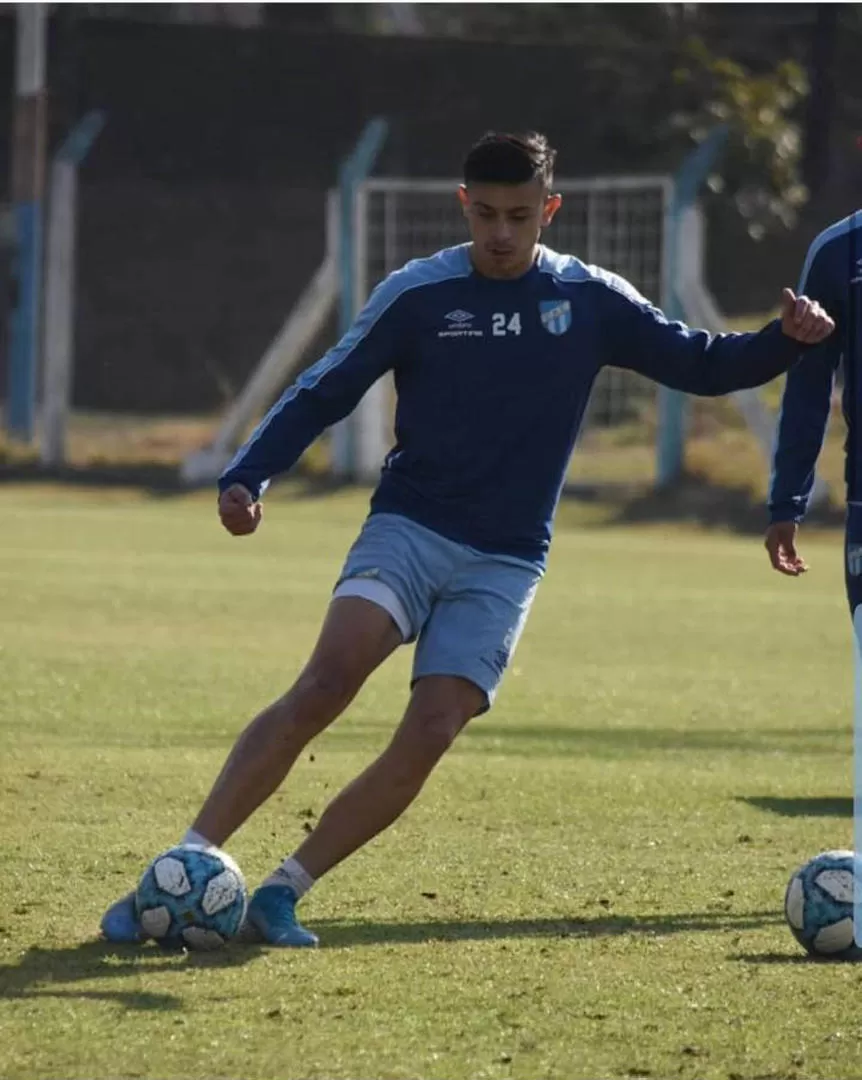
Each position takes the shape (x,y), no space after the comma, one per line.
(617,223)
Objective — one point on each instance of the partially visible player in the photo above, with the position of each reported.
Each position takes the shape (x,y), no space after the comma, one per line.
(831,274)
(494,345)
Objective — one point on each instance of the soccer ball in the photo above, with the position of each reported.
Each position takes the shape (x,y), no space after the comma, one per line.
(191,896)
(818,905)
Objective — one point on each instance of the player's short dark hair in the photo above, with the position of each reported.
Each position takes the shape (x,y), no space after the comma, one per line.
(504,158)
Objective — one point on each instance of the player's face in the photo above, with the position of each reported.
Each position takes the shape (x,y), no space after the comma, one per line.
(505,222)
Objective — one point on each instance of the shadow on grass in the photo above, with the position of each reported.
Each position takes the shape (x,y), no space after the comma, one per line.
(823,806)
(156,478)
(42,972)
(339,933)
(626,741)
(789,959)
(690,500)
(695,500)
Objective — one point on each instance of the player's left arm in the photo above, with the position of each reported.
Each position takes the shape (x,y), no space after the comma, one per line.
(325,393)
(804,416)
(643,339)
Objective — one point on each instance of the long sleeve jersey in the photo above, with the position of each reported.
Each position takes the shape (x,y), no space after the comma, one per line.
(832,274)
(492,379)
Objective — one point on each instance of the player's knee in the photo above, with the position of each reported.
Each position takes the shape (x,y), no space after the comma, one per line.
(324,687)
(319,695)
(428,734)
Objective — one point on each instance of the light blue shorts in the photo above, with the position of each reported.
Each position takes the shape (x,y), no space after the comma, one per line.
(464,609)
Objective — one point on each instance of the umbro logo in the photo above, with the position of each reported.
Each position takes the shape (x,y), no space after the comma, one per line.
(858,279)
(459,323)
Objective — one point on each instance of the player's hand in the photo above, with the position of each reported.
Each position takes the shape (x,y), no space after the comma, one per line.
(781,545)
(239,512)
(803,319)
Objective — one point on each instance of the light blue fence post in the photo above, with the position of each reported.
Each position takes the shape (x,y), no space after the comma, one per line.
(353,171)
(59,322)
(672,404)
(28,182)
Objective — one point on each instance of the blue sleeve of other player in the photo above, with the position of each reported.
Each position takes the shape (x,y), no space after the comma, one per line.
(801,429)
(326,392)
(642,339)
(806,400)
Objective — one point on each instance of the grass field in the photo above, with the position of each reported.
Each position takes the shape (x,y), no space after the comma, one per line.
(591,885)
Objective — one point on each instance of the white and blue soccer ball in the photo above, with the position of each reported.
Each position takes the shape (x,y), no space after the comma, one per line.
(818,905)
(191,897)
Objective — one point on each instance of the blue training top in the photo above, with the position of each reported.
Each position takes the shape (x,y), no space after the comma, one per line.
(832,274)
(492,378)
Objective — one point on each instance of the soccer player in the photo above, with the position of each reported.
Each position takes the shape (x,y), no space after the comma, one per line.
(494,346)
(832,273)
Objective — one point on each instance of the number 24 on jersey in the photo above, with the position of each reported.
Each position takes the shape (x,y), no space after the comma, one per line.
(501,324)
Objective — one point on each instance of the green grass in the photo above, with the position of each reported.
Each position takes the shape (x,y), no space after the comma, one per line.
(590,886)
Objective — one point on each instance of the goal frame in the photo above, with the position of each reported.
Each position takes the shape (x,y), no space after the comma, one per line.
(368,421)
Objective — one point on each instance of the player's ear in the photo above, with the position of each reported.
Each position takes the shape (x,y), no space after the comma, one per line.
(552,205)
(463,197)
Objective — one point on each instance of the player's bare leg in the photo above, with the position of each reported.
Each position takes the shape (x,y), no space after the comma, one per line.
(356,637)
(439,708)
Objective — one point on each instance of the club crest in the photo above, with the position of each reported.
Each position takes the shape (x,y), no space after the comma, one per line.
(556,315)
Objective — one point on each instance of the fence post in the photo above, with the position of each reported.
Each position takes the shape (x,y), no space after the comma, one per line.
(59,331)
(28,182)
(672,404)
(356,168)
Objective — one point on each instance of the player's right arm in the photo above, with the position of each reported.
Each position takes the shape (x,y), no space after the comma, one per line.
(641,338)
(324,394)
(803,419)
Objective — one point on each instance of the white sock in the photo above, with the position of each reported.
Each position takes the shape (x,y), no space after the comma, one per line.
(293,874)
(193,837)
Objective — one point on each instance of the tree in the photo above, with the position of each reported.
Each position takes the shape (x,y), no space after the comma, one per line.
(761,169)
(821,110)
(667,73)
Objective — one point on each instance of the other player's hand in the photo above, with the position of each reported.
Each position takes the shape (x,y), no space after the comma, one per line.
(239,512)
(781,545)
(804,319)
